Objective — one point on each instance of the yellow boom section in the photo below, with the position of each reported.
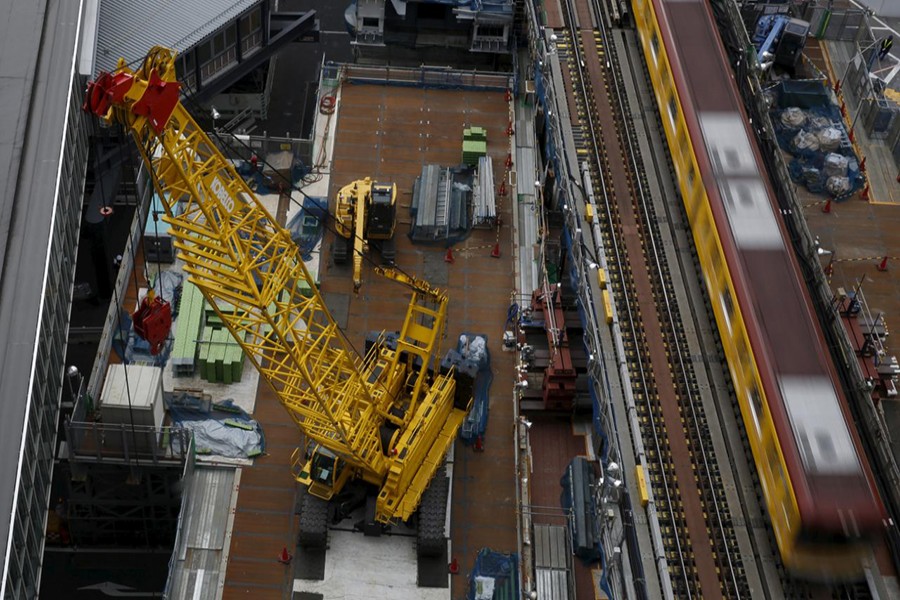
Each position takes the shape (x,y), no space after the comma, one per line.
(250,271)
(350,220)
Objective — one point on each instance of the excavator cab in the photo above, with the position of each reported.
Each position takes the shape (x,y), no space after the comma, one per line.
(382,213)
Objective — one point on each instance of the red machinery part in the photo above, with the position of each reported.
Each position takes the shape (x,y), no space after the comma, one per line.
(153,321)
(157,103)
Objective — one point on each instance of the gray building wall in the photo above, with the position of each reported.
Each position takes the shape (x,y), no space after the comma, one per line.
(44,217)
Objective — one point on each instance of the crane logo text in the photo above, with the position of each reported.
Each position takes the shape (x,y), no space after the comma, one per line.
(218,188)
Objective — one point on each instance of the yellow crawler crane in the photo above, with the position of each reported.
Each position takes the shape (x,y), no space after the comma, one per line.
(387,418)
(365,214)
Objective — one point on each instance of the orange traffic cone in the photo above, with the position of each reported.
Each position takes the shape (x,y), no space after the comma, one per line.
(285,557)
(509,129)
(479,444)
(882,266)
(502,190)
(449,256)
(508,160)
(495,253)
(453,567)
(865,193)
(862,165)
(827,208)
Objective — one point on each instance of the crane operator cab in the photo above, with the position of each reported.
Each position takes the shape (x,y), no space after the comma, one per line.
(325,471)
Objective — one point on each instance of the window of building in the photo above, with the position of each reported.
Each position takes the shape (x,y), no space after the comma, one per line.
(204,52)
(218,43)
(250,23)
(491,31)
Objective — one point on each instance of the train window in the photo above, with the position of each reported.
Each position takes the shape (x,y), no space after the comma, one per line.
(654,47)
(727,308)
(673,112)
(756,407)
(727,302)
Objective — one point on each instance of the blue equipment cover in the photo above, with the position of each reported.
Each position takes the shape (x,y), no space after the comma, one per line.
(472,349)
(503,569)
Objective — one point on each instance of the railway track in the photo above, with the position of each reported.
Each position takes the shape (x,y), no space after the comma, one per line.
(698,536)
(698,527)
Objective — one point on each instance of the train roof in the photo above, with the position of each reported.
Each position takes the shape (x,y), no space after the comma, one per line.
(801,385)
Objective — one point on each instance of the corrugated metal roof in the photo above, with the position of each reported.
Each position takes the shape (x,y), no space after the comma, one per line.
(128,28)
(197,570)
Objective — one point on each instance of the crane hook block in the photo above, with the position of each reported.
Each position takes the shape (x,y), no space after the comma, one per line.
(153,321)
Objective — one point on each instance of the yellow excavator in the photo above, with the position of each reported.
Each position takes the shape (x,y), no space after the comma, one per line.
(382,422)
(365,214)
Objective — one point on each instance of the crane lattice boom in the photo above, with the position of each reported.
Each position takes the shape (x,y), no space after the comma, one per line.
(252,273)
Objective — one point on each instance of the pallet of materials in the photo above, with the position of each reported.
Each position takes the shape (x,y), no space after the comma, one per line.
(187,330)
(221,357)
(474,145)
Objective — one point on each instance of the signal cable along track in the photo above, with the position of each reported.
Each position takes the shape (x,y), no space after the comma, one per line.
(698,537)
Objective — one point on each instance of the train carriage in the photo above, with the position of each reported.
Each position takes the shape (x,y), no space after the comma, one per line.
(814,475)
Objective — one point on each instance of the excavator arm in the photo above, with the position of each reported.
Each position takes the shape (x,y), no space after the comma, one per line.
(350,217)
(250,271)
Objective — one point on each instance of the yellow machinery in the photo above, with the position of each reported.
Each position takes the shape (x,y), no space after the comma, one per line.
(365,212)
(387,418)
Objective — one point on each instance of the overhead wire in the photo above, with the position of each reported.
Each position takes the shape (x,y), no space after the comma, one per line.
(122,331)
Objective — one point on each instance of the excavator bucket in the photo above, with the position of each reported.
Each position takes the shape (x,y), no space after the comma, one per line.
(153,321)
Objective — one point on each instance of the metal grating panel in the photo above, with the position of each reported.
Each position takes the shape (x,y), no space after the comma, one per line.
(552,584)
(550,547)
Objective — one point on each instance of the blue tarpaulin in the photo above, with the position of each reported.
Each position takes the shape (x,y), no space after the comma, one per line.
(495,576)
(473,348)
(222,429)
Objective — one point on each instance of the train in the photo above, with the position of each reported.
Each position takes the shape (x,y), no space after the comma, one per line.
(818,487)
